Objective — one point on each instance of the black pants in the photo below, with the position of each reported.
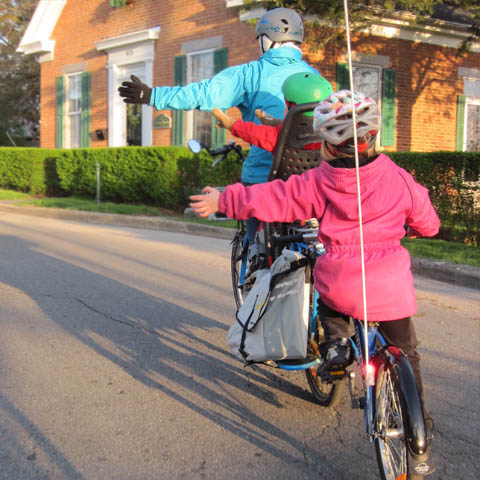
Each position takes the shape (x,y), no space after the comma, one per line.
(400,333)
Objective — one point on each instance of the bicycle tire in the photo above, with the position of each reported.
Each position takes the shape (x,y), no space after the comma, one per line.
(326,394)
(238,263)
(389,424)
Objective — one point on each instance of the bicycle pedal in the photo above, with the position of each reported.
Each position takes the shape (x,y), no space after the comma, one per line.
(355,403)
(332,375)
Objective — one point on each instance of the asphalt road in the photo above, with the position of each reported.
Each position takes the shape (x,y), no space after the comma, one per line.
(114,365)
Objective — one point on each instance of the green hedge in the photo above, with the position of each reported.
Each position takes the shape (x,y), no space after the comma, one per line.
(453,179)
(166,176)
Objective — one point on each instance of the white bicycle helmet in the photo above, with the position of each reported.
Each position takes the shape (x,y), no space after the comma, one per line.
(281,25)
(332,118)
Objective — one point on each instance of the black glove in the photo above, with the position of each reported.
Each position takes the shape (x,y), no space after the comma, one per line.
(135,91)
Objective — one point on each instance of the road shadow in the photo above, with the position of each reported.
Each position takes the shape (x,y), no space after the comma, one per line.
(159,343)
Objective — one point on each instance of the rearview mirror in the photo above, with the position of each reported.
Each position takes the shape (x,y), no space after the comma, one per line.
(194,145)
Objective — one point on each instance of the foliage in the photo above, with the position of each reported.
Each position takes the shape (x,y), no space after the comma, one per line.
(130,174)
(19,75)
(195,172)
(443,251)
(331,13)
(164,176)
(167,176)
(453,180)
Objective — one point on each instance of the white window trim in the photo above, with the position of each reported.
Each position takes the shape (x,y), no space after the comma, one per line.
(379,66)
(135,48)
(67,125)
(189,113)
(379,69)
(469,100)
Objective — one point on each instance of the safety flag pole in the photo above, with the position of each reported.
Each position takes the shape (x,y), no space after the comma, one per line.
(359,200)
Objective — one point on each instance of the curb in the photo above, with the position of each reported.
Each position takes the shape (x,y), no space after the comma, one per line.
(464,275)
(121,220)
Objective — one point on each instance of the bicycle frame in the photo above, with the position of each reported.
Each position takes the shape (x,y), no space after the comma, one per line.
(358,343)
(371,353)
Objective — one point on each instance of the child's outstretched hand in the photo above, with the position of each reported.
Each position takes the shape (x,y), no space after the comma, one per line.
(223,120)
(267,119)
(204,205)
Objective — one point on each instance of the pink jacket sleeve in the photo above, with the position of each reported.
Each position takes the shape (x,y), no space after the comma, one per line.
(263,136)
(422,220)
(277,201)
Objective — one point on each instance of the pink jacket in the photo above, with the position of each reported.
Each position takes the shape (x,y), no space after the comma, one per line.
(390,199)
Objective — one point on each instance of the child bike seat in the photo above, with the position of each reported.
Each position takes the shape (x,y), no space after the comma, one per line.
(290,156)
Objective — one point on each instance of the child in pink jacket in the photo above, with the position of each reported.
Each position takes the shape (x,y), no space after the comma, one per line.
(391,199)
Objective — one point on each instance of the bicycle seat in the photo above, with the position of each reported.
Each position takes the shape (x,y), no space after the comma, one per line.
(290,156)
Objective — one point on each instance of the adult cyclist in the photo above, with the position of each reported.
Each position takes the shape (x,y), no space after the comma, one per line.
(251,86)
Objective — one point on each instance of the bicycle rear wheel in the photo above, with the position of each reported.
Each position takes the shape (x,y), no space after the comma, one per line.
(325,393)
(391,440)
(238,265)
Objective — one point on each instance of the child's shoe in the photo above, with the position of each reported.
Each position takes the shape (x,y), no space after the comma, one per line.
(338,354)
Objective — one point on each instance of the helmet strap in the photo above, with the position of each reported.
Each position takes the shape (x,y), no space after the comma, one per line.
(265,43)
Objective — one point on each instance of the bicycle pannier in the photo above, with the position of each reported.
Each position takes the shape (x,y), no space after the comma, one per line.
(272,323)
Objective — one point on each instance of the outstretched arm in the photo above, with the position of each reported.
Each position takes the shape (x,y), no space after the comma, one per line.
(135,91)
(205,205)
(223,90)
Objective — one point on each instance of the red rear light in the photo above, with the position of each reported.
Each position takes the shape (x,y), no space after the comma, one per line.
(369,374)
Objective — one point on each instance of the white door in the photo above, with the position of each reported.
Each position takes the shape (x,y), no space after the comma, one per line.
(128,124)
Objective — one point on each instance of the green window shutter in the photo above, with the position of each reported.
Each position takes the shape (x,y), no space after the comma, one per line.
(118,3)
(460,123)
(59,113)
(220,61)
(85,112)
(388,107)
(179,115)
(342,78)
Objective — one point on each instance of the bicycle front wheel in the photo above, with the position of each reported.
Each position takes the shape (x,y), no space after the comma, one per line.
(390,441)
(238,265)
(325,393)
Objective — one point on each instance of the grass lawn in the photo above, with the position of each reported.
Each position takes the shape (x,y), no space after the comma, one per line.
(420,247)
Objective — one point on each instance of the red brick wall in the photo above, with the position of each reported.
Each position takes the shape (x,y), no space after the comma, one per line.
(427,87)
(427,76)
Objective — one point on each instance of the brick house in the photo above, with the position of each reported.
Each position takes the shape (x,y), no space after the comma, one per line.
(430,98)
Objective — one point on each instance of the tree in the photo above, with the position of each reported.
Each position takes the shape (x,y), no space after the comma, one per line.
(19,75)
(331,13)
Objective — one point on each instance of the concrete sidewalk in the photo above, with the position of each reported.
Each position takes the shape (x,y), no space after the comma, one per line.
(464,275)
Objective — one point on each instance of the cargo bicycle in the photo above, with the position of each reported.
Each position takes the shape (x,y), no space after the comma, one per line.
(387,393)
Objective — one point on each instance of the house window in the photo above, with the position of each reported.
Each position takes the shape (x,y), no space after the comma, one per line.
(367,79)
(468,123)
(134,124)
(472,124)
(72,116)
(73,110)
(195,66)
(378,83)
(200,66)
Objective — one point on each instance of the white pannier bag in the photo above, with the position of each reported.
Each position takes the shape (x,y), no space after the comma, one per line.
(272,323)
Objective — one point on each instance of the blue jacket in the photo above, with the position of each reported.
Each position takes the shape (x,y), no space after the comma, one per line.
(249,86)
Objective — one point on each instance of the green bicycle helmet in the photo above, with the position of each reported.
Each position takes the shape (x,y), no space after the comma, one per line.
(305,87)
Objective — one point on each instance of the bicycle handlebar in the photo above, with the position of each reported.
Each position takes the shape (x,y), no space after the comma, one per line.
(195,146)
(307,237)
